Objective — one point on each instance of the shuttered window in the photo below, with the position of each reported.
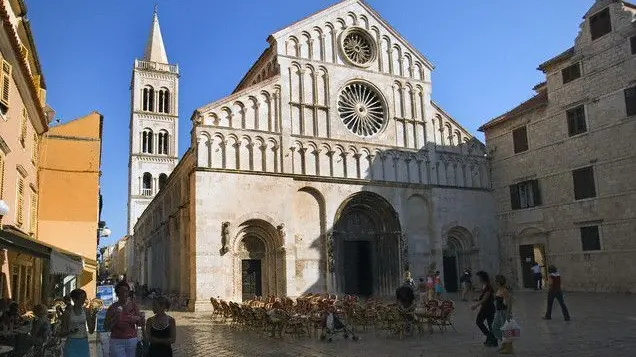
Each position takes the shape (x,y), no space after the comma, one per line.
(525,195)
(632,44)
(584,186)
(576,121)
(630,101)
(600,24)
(520,139)
(33,215)
(19,210)
(36,147)
(23,126)
(571,73)
(1,175)
(590,238)
(5,84)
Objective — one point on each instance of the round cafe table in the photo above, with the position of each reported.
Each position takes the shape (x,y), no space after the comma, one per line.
(5,349)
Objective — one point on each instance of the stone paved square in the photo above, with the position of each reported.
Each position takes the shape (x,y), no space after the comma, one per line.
(602,325)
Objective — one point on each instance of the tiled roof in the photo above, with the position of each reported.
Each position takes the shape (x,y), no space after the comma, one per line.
(539,100)
(560,57)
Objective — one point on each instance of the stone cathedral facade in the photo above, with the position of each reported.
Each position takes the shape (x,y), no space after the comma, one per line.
(328,169)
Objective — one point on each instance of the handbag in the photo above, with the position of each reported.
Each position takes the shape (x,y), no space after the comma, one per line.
(511,330)
(142,349)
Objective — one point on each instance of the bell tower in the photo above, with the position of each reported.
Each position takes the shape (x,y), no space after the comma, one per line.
(154,121)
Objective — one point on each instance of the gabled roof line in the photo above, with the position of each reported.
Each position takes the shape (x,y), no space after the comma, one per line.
(234,95)
(449,117)
(253,67)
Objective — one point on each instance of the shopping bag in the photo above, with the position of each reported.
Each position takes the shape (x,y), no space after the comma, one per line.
(511,330)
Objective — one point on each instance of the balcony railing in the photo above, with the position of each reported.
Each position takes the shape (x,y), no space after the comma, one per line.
(146,192)
(172,68)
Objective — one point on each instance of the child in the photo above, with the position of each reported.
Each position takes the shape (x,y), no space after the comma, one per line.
(439,288)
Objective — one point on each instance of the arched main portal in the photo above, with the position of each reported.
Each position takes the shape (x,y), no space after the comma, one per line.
(259,260)
(365,245)
(460,253)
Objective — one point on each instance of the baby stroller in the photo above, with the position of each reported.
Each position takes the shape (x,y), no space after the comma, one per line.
(333,325)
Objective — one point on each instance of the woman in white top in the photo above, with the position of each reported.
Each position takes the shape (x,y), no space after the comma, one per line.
(75,323)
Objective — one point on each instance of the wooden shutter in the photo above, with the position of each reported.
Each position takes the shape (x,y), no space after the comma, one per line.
(515,202)
(600,24)
(584,186)
(520,139)
(630,101)
(1,175)
(23,126)
(6,83)
(36,147)
(20,202)
(34,211)
(536,193)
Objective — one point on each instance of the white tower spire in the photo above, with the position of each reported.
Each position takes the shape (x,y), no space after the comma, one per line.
(155,51)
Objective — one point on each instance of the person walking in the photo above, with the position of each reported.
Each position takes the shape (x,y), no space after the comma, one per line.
(439,287)
(161,330)
(486,308)
(555,292)
(503,312)
(75,321)
(467,284)
(536,274)
(122,319)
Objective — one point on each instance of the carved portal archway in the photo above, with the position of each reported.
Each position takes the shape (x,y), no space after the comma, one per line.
(258,260)
(460,253)
(366,250)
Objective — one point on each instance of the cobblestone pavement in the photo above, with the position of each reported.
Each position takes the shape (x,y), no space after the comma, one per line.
(602,325)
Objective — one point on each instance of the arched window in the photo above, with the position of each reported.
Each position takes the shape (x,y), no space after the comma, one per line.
(164,101)
(147,141)
(162,181)
(162,148)
(147,184)
(148,99)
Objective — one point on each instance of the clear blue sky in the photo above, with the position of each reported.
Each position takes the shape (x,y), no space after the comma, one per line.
(485,57)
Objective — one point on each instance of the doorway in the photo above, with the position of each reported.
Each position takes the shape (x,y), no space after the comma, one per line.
(450,273)
(357,268)
(251,278)
(528,254)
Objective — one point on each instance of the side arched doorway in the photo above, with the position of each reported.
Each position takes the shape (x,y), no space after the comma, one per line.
(365,246)
(259,261)
(459,254)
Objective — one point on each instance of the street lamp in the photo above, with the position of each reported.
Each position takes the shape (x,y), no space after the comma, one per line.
(105,232)
(4,209)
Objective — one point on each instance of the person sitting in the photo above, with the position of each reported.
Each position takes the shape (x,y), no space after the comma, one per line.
(40,329)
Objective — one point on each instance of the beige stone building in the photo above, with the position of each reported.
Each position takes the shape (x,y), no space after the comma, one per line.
(328,169)
(563,162)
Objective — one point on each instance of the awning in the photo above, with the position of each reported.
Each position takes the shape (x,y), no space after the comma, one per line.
(62,264)
(18,241)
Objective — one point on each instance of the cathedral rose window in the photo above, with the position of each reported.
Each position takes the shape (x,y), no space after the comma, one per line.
(361,108)
(358,47)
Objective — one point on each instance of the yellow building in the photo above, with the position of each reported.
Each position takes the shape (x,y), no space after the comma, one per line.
(23,119)
(69,207)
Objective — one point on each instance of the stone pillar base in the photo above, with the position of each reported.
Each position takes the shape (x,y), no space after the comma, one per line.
(200,305)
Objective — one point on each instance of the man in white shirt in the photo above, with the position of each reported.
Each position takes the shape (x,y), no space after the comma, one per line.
(538,279)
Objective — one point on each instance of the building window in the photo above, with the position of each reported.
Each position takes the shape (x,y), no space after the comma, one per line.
(19,210)
(576,120)
(147,184)
(33,223)
(147,141)
(590,238)
(584,186)
(148,99)
(23,126)
(164,101)
(630,101)
(1,175)
(6,85)
(36,147)
(600,24)
(15,276)
(162,181)
(571,73)
(162,148)
(520,139)
(525,194)
(632,44)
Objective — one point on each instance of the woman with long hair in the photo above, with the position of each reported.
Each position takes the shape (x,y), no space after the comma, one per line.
(503,311)
(75,321)
(486,308)
(122,319)
(161,330)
